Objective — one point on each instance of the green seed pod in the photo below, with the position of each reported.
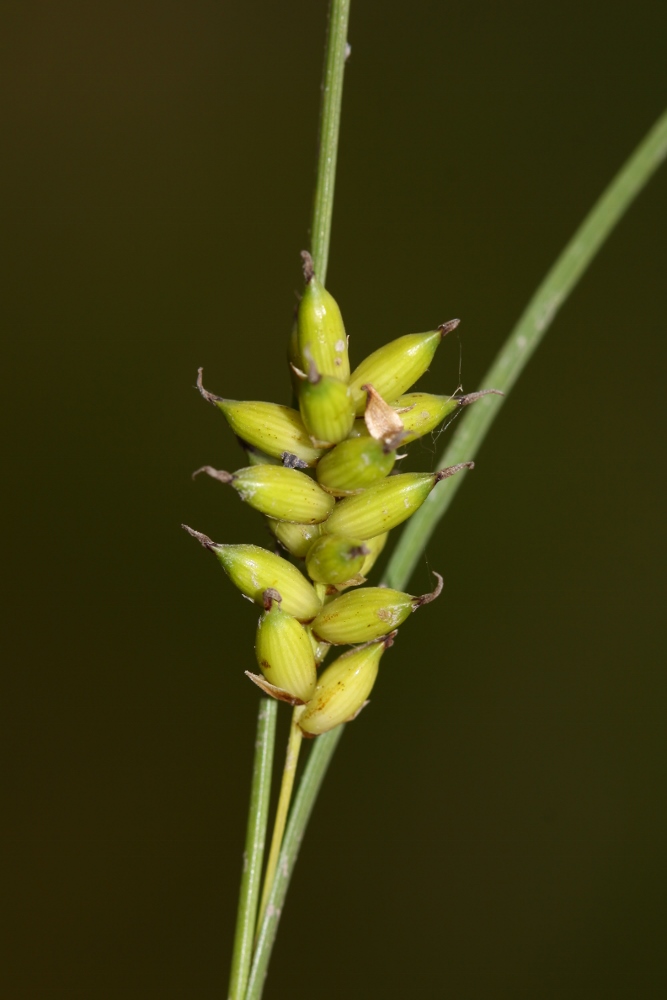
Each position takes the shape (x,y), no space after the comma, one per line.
(388,503)
(286,494)
(335,559)
(343,688)
(375,546)
(254,569)
(421,412)
(366,614)
(296,538)
(284,651)
(321,329)
(354,465)
(274,429)
(392,369)
(326,408)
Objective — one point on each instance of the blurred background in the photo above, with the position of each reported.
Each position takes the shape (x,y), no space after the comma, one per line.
(494,824)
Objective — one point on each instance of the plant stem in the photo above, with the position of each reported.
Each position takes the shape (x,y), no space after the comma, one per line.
(309,786)
(332,96)
(260,791)
(291,761)
(524,338)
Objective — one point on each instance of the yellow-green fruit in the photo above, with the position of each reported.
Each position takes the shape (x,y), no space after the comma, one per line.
(326,409)
(296,538)
(375,546)
(254,569)
(321,329)
(423,411)
(383,506)
(367,613)
(354,465)
(342,689)
(392,369)
(335,559)
(286,494)
(274,429)
(284,651)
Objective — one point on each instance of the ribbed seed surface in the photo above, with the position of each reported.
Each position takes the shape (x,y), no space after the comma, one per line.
(381,507)
(326,410)
(392,369)
(273,428)
(285,654)
(335,559)
(286,494)
(342,690)
(425,412)
(362,615)
(296,538)
(321,332)
(253,570)
(354,465)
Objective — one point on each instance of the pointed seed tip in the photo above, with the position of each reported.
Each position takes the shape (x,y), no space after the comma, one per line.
(203,539)
(208,396)
(472,397)
(308,266)
(219,474)
(452,470)
(447,327)
(427,598)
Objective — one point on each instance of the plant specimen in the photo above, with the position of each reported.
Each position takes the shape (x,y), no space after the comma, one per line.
(324,476)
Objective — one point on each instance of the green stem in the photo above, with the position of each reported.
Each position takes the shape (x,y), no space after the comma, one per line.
(260,792)
(332,96)
(309,786)
(523,340)
(284,799)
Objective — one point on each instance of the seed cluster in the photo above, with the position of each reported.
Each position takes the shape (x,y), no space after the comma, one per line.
(323,477)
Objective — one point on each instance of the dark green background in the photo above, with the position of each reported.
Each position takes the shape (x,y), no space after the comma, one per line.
(494,825)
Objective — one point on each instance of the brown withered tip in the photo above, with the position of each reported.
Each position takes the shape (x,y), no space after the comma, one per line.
(452,470)
(274,692)
(204,540)
(427,598)
(308,266)
(208,396)
(472,397)
(219,474)
(358,550)
(271,596)
(447,327)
